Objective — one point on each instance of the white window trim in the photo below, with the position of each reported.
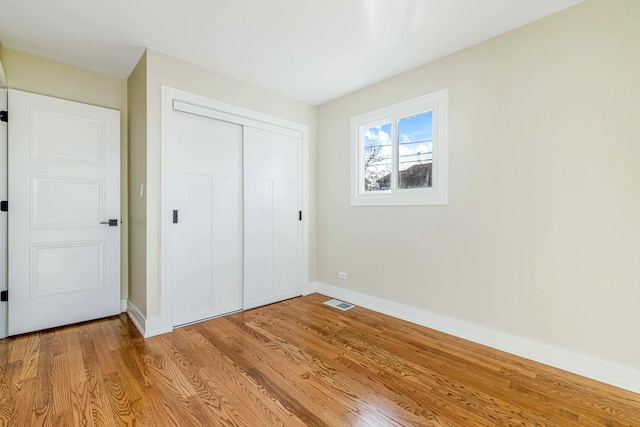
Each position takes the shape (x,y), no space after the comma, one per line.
(438,193)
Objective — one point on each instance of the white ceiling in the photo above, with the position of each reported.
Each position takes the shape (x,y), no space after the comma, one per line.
(312,50)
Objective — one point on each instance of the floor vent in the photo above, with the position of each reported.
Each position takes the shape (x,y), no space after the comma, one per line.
(340,305)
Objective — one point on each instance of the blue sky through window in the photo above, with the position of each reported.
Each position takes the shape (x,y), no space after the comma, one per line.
(415,146)
(415,140)
(377,152)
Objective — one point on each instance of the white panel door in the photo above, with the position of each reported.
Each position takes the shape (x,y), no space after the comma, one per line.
(64,187)
(273,228)
(204,188)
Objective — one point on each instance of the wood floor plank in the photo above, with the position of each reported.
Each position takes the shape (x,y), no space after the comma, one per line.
(307,380)
(23,411)
(125,411)
(219,408)
(103,352)
(6,346)
(172,388)
(399,378)
(245,407)
(42,413)
(61,375)
(60,382)
(348,348)
(81,405)
(159,410)
(101,412)
(10,388)
(509,374)
(18,349)
(462,386)
(64,418)
(240,389)
(370,394)
(294,363)
(291,397)
(30,361)
(376,386)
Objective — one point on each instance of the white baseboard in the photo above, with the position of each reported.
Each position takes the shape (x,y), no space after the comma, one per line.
(123,305)
(157,326)
(588,366)
(147,327)
(312,287)
(136,316)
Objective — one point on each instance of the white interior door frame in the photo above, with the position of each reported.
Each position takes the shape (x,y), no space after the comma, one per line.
(3,196)
(3,77)
(196,104)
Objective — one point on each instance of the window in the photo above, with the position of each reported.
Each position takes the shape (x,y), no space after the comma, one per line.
(399,153)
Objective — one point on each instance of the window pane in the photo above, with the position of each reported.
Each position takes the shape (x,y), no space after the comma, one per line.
(415,151)
(377,158)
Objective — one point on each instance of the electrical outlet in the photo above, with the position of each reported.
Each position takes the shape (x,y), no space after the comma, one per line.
(342,275)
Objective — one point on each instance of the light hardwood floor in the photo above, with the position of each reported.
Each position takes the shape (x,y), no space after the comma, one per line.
(294,363)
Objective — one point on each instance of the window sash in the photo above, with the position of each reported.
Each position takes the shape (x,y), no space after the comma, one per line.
(437,194)
(395,149)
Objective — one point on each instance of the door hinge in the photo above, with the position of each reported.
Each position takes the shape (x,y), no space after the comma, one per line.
(4,116)
(300,215)
(4,296)
(4,206)
(175,216)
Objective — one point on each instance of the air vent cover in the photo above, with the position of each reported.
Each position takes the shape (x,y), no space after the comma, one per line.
(340,305)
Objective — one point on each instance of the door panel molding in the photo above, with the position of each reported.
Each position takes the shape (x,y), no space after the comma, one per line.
(85,146)
(53,272)
(48,210)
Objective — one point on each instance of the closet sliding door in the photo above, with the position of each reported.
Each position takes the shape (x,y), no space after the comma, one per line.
(232,208)
(204,238)
(272,215)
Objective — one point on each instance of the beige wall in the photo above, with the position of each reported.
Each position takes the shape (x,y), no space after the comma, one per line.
(169,71)
(137,110)
(541,237)
(44,76)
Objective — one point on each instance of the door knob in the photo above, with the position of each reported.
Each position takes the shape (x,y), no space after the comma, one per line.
(111,222)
